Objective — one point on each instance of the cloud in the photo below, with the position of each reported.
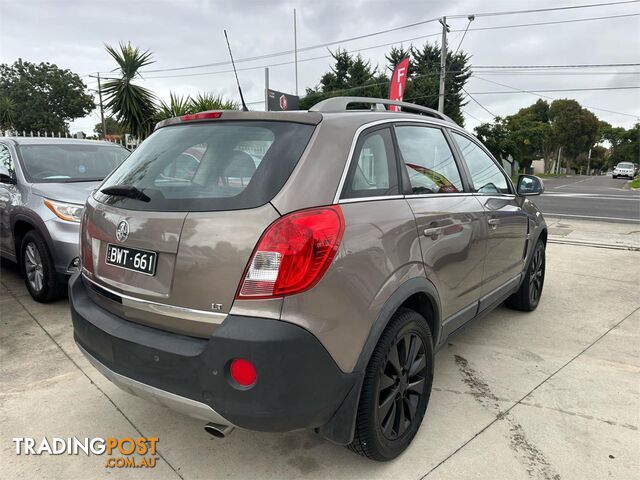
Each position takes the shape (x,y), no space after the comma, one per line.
(72,35)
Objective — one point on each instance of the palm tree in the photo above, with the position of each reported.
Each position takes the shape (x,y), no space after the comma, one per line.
(7,112)
(178,105)
(207,101)
(133,105)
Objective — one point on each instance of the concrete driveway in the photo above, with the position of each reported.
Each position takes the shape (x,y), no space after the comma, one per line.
(547,395)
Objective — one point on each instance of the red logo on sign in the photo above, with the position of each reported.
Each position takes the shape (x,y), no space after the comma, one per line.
(283,102)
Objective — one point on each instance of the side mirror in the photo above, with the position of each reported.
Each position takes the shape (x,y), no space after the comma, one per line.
(6,176)
(529,185)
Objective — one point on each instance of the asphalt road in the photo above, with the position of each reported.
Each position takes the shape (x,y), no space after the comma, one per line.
(598,198)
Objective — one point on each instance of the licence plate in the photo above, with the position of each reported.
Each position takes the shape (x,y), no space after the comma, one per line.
(142,261)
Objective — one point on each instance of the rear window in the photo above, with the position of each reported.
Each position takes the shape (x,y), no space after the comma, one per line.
(210,166)
(62,163)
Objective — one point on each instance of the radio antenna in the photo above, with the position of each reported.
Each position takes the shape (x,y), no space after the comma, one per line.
(244,105)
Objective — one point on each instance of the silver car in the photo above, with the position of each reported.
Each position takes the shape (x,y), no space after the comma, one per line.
(44,183)
(278,271)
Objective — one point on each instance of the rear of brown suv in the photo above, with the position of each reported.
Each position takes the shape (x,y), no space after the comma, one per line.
(280,271)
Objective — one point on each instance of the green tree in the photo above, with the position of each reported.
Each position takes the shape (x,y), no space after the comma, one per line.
(396,55)
(423,83)
(576,129)
(42,96)
(132,105)
(625,144)
(112,125)
(353,76)
(597,162)
(497,138)
(350,76)
(526,135)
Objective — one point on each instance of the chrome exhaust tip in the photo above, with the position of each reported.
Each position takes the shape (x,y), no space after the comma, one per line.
(218,431)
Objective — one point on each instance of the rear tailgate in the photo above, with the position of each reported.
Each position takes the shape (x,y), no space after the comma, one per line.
(192,202)
(200,261)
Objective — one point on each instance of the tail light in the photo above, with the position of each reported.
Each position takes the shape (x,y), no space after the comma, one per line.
(293,253)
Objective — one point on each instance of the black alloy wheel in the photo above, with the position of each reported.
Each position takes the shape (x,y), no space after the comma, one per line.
(396,388)
(528,295)
(536,276)
(401,384)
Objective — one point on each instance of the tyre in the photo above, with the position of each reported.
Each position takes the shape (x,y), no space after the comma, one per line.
(528,295)
(38,269)
(396,388)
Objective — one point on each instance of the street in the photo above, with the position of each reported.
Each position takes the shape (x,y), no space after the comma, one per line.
(600,198)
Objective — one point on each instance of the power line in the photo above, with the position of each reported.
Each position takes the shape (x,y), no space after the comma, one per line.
(575,65)
(493,115)
(403,41)
(555,22)
(586,89)
(549,73)
(360,37)
(537,94)
(472,116)
(463,35)
(550,9)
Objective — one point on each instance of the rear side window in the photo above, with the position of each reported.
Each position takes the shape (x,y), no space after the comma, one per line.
(428,160)
(211,166)
(486,176)
(373,170)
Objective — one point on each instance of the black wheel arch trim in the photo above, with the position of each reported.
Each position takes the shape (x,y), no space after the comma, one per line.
(38,225)
(540,229)
(341,428)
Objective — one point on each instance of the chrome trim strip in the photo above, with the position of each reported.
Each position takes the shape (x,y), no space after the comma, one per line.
(367,199)
(170,400)
(163,308)
(434,122)
(447,195)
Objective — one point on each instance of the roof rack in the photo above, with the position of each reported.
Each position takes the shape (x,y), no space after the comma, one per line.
(340,104)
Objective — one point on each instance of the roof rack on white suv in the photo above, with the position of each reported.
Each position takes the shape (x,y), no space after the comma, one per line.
(340,104)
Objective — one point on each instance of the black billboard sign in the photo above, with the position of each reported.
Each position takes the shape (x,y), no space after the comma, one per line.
(279,101)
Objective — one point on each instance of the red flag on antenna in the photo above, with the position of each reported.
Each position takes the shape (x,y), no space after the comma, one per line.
(398,80)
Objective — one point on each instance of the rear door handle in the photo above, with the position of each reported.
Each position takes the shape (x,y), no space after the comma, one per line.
(494,222)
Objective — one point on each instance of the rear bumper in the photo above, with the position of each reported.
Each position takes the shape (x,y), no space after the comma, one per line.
(298,386)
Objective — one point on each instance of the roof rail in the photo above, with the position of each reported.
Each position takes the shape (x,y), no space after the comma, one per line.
(340,104)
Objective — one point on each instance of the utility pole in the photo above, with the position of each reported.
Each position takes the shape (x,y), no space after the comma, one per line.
(104,125)
(558,162)
(589,163)
(266,89)
(295,47)
(443,62)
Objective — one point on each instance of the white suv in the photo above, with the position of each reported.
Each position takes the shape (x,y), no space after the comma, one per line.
(624,169)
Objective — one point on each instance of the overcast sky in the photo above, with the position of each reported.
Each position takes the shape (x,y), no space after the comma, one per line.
(72,34)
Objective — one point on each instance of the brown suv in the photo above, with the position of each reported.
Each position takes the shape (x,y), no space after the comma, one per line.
(284,270)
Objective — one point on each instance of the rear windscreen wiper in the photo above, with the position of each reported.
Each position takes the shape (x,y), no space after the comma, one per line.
(128,191)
